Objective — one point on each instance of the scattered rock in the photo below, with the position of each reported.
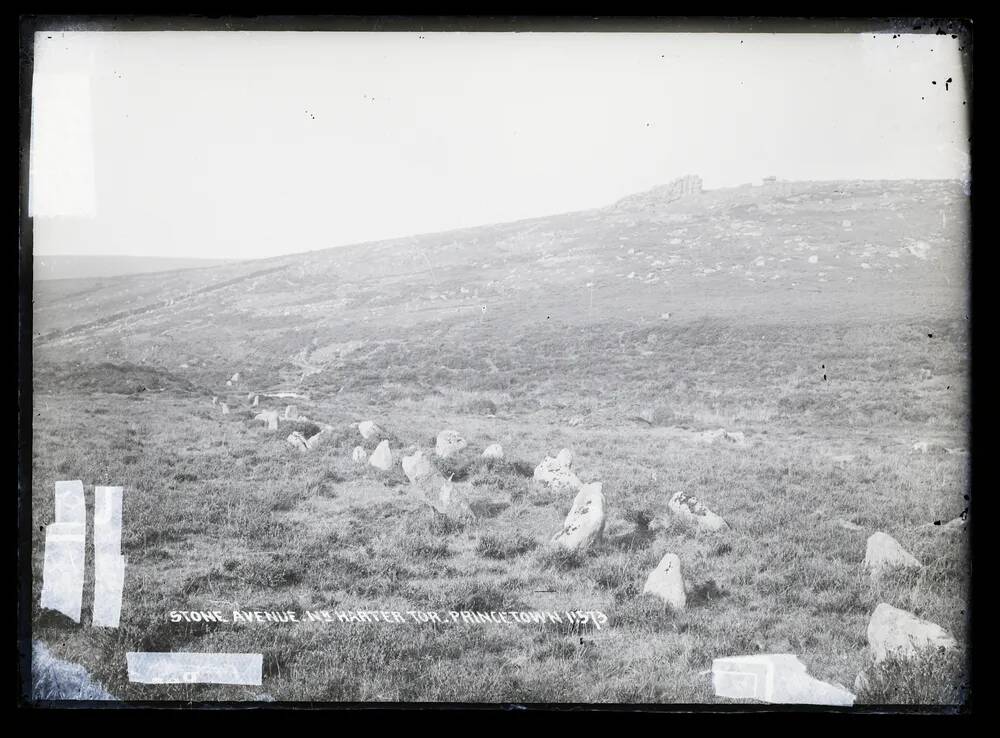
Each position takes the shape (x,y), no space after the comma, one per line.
(359,455)
(449,442)
(896,632)
(666,582)
(775,678)
(687,507)
(381,457)
(556,472)
(297,440)
(417,467)
(584,525)
(493,451)
(883,552)
(711,436)
(575,421)
(664,316)
(956,523)
(368,429)
(929,447)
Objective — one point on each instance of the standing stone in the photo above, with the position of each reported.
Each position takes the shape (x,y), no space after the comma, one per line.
(666,582)
(290,412)
(225,408)
(895,632)
(235,378)
(494,451)
(417,467)
(556,472)
(449,442)
(381,457)
(297,440)
(359,455)
(687,507)
(883,553)
(256,400)
(215,400)
(249,396)
(368,429)
(584,525)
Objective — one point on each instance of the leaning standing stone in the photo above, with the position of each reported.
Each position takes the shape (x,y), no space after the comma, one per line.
(584,525)
(381,457)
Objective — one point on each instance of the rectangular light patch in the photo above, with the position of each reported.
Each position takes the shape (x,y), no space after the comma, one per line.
(61,180)
(109,564)
(65,552)
(62,570)
(195,668)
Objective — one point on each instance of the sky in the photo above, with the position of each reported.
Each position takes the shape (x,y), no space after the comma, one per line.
(256,144)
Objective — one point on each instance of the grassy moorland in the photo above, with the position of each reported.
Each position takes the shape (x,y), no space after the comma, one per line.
(832,387)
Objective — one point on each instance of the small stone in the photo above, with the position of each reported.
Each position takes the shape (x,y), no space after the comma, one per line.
(689,508)
(449,442)
(898,633)
(270,418)
(494,451)
(359,455)
(883,552)
(666,583)
(417,467)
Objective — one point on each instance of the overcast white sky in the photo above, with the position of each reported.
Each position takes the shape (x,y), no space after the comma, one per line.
(246,145)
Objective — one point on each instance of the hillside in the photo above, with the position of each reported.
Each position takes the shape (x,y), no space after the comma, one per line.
(70,266)
(781,252)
